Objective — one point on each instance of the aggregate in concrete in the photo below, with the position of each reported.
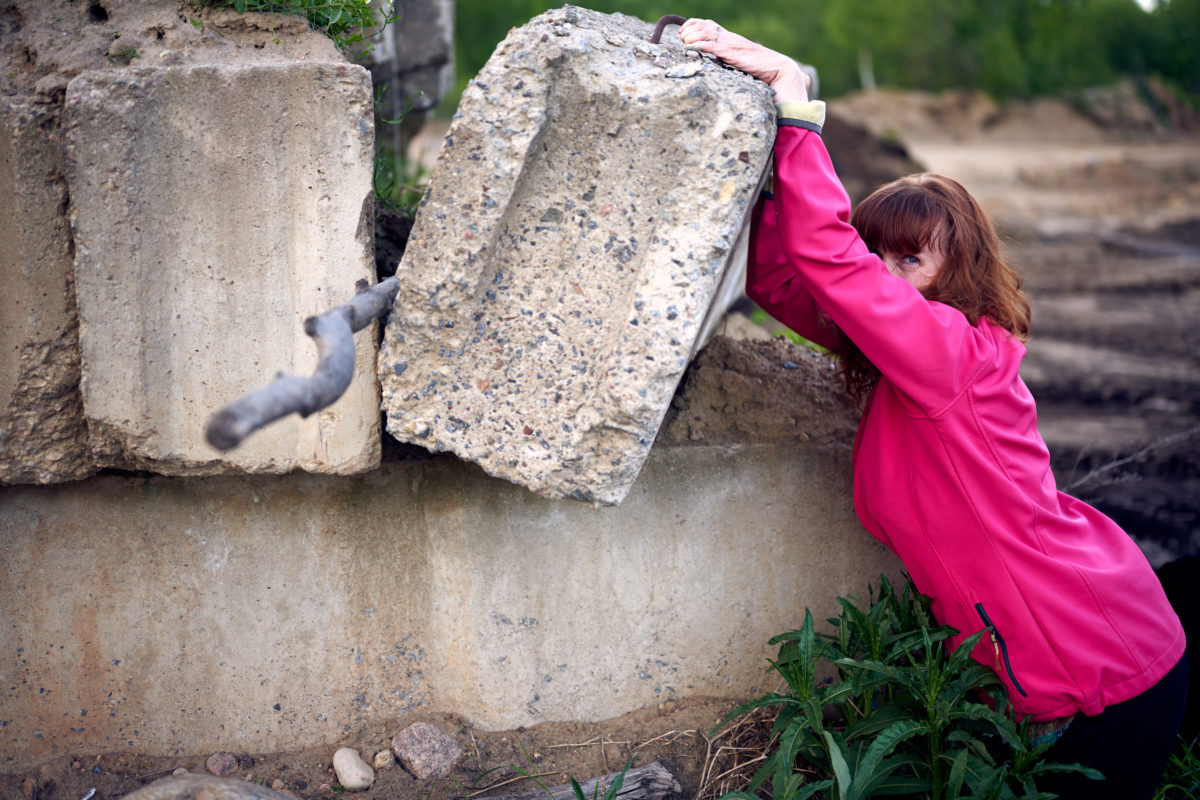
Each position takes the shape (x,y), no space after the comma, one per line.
(589,197)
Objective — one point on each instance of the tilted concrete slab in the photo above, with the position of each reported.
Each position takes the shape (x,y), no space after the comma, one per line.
(43,438)
(214,207)
(588,197)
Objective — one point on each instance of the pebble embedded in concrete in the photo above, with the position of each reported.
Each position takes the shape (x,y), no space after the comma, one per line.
(586,208)
(353,773)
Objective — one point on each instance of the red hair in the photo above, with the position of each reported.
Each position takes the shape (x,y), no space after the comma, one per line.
(929,210)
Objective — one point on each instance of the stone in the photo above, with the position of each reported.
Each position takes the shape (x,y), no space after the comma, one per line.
(215,206)
(425,751)
(577,231)
(222,764)
(204,786)
(384,759)
(353,773)
(43,436)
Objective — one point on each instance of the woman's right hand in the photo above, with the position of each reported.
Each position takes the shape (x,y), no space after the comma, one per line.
(775,69)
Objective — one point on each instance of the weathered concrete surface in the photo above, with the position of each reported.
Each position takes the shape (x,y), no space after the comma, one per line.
(160,615)
(219,182)
(43,438)
(46,43)
(589,195)
(213,209)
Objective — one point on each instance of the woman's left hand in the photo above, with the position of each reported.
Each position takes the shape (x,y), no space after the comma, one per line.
(775,69)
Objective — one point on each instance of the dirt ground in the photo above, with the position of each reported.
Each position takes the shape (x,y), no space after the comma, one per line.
(676,734)
(1103,219)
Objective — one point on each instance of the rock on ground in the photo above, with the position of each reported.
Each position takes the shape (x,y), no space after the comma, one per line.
(222,764)
(353,773)
(576,230)
(205,787)
(425,751)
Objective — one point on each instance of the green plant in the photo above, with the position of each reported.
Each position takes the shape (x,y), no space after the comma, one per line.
(346,22)
(610,793)
(902,716)
(761,318)
(1182,778)
(399,183)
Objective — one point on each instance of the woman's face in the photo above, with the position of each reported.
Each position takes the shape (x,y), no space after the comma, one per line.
(919,268)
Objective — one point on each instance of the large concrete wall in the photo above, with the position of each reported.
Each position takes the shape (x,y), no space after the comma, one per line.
(217,609)
(169,615)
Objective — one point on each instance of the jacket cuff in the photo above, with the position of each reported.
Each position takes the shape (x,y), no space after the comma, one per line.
(809,115)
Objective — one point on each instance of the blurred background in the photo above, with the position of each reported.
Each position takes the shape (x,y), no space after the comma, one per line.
(1006,48)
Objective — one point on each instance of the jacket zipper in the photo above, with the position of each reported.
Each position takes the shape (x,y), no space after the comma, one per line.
(1000,648)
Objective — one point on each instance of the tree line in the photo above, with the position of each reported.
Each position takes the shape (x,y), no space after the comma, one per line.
(1007,48)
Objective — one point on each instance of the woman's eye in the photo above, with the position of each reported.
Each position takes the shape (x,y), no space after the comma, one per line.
(911,262)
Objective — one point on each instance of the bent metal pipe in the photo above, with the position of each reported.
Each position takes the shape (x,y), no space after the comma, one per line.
(333,331)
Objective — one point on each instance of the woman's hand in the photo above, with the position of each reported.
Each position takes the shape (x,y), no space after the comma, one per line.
(776,70)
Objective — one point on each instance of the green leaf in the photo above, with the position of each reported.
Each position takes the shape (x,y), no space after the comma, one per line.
(958,774)
(903,786)
(841,770)
(873,768)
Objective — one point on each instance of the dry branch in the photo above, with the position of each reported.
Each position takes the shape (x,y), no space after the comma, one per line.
(650,782)
(333,331)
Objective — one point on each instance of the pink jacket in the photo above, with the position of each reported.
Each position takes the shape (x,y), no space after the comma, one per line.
(950,471)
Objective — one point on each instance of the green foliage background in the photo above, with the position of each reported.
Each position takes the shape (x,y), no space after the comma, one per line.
(1008,48)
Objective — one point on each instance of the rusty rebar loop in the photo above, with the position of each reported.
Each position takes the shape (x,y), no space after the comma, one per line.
(333,331)
(669,19)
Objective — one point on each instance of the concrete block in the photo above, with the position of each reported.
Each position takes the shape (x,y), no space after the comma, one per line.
(269,613)
(580,219)
(43,438)
(215,207)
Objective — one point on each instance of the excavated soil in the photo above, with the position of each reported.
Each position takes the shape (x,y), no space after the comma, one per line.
(1102,216)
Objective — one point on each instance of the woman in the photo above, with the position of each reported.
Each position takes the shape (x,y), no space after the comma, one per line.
(949,469)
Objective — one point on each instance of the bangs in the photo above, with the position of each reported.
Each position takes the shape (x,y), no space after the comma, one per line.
(900,218)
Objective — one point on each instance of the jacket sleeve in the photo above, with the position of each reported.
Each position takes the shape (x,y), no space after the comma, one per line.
(927,349)
(776,287)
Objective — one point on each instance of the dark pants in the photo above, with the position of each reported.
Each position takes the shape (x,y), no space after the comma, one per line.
(1129,743)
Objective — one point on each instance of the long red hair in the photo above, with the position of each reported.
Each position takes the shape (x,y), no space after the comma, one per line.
(929,210)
